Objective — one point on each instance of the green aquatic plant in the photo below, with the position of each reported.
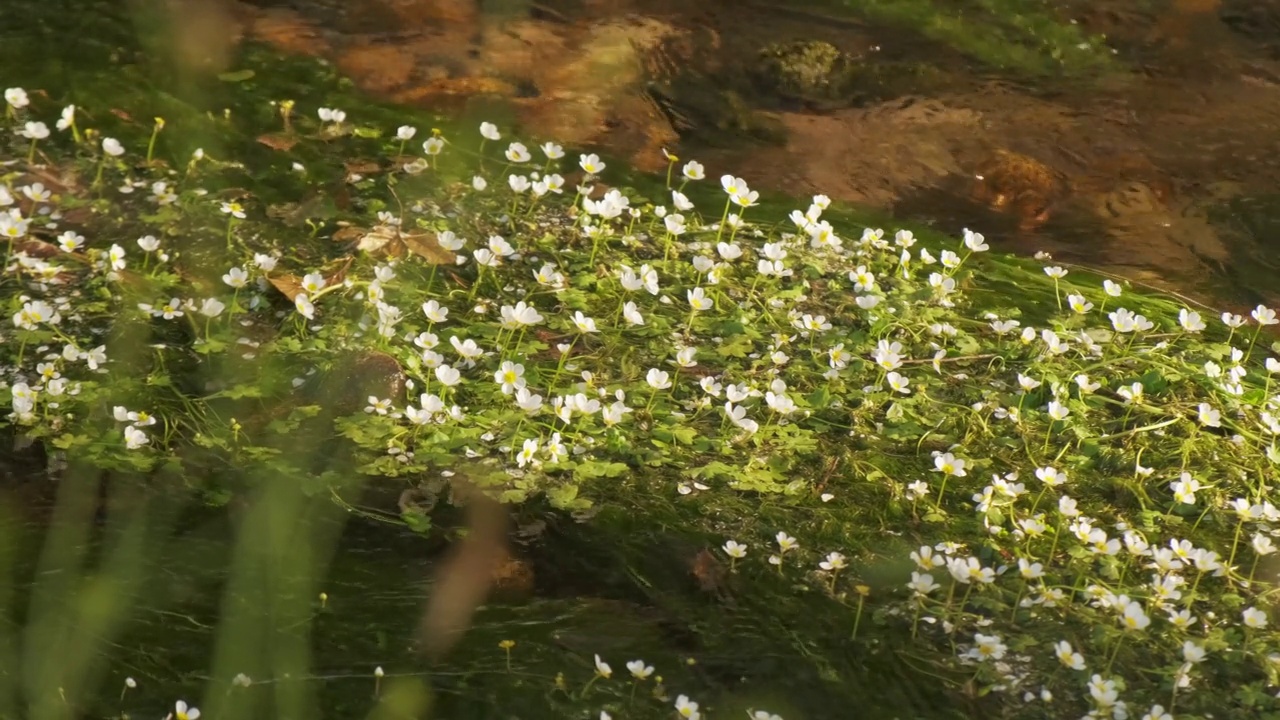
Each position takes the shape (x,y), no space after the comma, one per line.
(1030,39)
(681,355)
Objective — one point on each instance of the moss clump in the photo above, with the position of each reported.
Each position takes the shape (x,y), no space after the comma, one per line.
(809,71)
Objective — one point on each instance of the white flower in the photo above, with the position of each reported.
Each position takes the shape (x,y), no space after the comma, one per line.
(313,283)
(552,151)
(1111,288)
(687,709)
(304,307)
(922,583)
(1067,656)
(975,241)
(237,277)
(510,376)
(527,401)
(332,115)
(70,241)
(602,668)
(1134,617)
(490,131)
(658,379)
(1058,411)
(67,118)
(448,375)
(433,145)
(987,647)
(181,711)
(405,133)
(518,153)
(16,97)
(1262,544)
(693,170)
(591,164)
(1184,489)
(639,670)
(1055,272)
(735,549)
(949,464)
(674,224)
(434,311)
(135,438)
(1254,618)
(834,562)
(1264,315)
(1157,712)
(583,323)
(898,383)
(112,147)
(1079,304)
(698,300)
(1190,320)
(34,131)
(632,314)
(1209,416)
(212,307)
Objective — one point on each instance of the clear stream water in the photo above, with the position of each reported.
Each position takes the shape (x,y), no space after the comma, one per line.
(1166,170)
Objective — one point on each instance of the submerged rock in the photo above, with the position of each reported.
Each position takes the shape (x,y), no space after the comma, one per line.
(809,71)
(1021,185)
(357,377)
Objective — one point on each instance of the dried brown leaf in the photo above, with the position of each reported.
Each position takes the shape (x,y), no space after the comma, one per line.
(377,240)
(282,141)
(289,285)
(428,248)
(349,233)
(362,167)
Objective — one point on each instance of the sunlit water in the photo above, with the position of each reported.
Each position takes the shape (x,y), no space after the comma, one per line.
(1161,164)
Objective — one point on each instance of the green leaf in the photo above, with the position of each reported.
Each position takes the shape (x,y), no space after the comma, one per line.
(819,398)
(596,469)
(562,497)
(737,346)
(685,434)
(236,75)
(417,520)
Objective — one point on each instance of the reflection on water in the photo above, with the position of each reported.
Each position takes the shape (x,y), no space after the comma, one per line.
(1131,153)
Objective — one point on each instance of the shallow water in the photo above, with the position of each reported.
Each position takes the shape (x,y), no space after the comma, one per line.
(1152,152)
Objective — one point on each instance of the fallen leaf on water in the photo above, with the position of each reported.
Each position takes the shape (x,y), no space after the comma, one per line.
(281,141)
(375,240)
(339,275)
(349,233)
(362,167)
(428,248)
(289,285)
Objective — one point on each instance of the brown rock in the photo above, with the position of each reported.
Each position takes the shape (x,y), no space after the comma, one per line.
(426,12)
(289,32)
(460,88)
(377,68)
